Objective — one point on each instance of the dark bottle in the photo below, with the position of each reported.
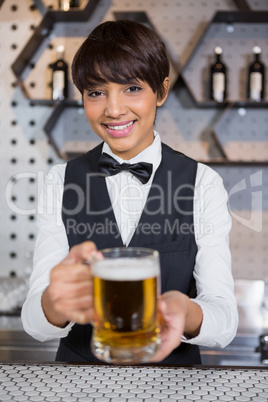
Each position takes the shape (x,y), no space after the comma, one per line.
(218,78)
(256,78)
(59,76)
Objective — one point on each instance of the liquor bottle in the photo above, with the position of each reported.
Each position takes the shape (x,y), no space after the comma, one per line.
(256,78)
(65,5)
(218,78)
(59,76)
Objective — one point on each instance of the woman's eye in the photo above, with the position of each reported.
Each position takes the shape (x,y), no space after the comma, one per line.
(94,94)
(134,88)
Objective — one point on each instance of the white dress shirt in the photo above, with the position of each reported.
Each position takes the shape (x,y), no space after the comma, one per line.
(212,223)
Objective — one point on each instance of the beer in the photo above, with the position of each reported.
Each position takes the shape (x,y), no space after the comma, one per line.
(125,302)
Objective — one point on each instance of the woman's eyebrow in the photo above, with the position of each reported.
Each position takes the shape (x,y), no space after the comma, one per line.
(94,85)
(99,84)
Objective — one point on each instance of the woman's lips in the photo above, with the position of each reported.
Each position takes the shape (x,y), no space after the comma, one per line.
(120,129)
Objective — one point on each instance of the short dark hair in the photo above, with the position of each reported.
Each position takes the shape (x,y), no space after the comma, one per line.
(121,51)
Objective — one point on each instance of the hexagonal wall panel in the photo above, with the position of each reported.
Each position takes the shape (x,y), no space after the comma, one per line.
(257,5)
(69,131)
(40,40)
(187,128)
(57,27)
(243,133)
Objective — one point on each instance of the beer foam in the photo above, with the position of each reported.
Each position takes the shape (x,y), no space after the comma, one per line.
(125,269)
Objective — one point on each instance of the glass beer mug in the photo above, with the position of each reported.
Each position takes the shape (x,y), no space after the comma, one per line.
(126,284)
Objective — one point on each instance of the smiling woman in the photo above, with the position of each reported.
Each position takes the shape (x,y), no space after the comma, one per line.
(135,192)
(122,81)
(123,115)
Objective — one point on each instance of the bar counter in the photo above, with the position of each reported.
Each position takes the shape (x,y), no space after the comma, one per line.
(104,383)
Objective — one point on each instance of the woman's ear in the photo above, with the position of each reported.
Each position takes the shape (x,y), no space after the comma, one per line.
(165,84)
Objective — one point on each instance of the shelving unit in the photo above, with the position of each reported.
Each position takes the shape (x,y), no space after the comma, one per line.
(225,29)
(236,32)
(24,61)
(34,49)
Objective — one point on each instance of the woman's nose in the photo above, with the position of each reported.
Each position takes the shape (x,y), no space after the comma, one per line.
(115,106)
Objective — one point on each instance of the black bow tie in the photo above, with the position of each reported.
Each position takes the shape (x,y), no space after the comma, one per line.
(109,166)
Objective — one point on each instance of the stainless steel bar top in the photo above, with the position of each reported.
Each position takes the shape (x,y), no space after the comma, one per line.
(104,383)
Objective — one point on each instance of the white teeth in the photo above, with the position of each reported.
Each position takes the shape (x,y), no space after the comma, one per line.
(120,127)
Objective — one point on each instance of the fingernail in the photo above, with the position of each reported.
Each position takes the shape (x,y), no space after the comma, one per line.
(99,255)
(94,256)
(90,259)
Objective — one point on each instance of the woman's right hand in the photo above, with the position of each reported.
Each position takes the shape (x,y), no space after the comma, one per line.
(69,297)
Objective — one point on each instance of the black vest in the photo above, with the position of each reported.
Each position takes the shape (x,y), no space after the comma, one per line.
(166,225)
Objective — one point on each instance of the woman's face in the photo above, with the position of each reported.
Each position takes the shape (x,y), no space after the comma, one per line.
(123,115)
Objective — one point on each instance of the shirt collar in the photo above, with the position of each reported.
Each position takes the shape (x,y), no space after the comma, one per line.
(151,154)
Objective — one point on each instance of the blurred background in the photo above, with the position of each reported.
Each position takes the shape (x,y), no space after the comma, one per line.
(231,136)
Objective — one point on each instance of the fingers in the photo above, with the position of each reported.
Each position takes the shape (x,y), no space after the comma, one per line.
(82,317)
(69,294)
(175,302)
(80,252)
(79,310)
(69,289)
(73,273)
(172,322)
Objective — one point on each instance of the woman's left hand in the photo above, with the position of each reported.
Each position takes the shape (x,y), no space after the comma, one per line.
(172,309)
